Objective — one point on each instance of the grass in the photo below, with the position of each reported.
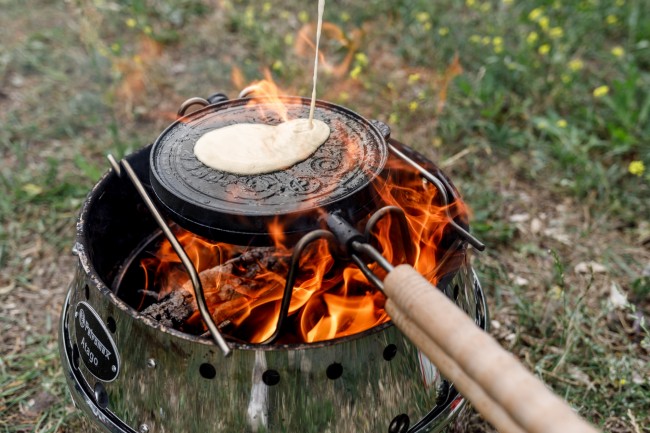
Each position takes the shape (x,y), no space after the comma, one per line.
(542,121)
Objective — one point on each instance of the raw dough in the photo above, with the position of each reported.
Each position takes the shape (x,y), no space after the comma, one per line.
(251,148)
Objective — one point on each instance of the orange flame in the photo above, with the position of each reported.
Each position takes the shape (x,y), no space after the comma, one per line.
(331,298)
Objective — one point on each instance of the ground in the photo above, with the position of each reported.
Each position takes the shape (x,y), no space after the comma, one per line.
(538,109)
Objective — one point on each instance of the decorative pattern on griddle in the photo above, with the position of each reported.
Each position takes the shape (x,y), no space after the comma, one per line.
(353,154)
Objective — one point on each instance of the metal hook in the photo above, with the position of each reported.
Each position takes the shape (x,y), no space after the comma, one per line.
(178,248)
(293,271)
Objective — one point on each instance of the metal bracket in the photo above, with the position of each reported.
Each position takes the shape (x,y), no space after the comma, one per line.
(178,248)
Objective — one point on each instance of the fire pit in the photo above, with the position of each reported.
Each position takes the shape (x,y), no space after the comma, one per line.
(288,287)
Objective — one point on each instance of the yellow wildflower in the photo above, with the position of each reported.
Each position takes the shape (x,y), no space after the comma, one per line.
(443,31)
(470,3)
(427,25)
(288,39)
(507,2)
(636,168)
(115,47)
(544,49)
(497,42)
(147,30)
(354,73)
(561,123)
(611,19)
(345,17)
(422,17)
(485,40)
(618,51)
(131,22)
(475,39)
(535,14)
(414,78)
(485,7)
(278,65)
(622,382)
(576,64)
(303,16)
(532,38)
(556,292)
(344,96)
(556,32)
(566,78)
(393,118)
(601,91)
(361,59)
(266,6)
(413,106)
(544,22)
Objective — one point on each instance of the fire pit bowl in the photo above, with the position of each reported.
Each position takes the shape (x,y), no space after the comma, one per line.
(129,373)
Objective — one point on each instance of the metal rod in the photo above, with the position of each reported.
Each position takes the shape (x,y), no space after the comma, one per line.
(116,167)
(365,270)
(370,251)
(291,275)
(187,262)
(192,101)
(445,198)
(403,227)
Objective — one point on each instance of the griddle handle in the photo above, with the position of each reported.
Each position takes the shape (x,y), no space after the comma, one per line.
(444,332)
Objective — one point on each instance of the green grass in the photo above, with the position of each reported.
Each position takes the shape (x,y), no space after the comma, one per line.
(522,131)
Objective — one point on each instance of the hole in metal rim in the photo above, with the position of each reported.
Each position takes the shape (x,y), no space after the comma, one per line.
(390,352)
(334,371)
(75,356)
(101,396)
(271,377)
(399,424)
(111,325)
(207,371)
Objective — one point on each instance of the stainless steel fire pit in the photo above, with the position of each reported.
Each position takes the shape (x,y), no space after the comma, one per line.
(128,373)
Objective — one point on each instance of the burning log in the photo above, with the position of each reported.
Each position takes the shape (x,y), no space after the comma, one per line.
(228,288)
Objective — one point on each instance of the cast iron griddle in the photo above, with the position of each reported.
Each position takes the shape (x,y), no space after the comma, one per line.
(215,203)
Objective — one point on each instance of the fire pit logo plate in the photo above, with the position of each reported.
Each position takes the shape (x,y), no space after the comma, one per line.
(96,347)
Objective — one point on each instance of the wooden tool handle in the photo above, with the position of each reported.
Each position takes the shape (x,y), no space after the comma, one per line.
(506,381)
(483,403)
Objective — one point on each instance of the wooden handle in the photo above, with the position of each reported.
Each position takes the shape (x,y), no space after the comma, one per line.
(506,381)
(491,411)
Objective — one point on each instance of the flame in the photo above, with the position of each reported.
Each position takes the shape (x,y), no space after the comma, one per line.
(268,90)
(331,298)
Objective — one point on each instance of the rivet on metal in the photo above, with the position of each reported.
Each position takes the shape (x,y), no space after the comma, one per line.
(113,368)
(151,363)
(144,428)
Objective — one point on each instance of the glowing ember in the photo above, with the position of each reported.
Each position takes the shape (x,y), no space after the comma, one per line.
(331,298)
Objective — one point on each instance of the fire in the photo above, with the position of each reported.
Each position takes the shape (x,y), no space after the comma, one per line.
(331,298)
